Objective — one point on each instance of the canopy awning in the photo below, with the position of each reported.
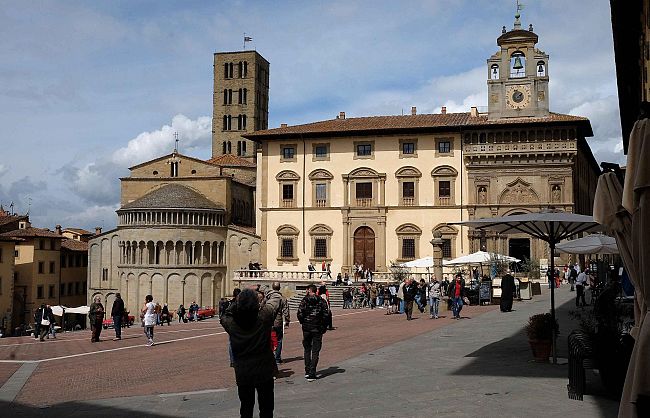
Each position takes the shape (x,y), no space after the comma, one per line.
(591,244)
(480,257)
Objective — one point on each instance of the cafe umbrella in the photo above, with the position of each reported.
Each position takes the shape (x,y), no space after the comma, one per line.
(549,226)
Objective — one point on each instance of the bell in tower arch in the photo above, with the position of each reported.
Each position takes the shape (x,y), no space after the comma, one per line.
(518,65)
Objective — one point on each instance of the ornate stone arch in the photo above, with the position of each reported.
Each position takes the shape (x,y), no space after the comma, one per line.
(408,171)
(449,233)
(444,185)
(321,243)
(287,175)
(518,192)
(408,240)
(363,172)
(321,185)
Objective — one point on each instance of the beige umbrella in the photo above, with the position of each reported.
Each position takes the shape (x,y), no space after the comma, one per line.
(636,199)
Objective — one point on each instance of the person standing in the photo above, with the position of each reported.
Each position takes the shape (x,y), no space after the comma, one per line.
(181,313)
(312,314)
(456,294)
(282,317)
(149,316)
(508,290)
(434,298)
(373,295)
(573,275)
(581,280)
(117,312)
(164,315)
(96,317)
(400,296)
(42,323)
(248,324)
(50,315)
(410,293)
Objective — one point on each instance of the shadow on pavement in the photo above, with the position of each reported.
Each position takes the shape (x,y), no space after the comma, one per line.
(330,371)
(512,356)
(73,410)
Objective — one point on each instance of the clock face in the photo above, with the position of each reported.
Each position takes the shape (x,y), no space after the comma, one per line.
(518,97)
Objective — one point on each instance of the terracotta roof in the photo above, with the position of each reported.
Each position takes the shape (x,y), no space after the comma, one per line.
(74,245)
(246,229)
(31,233)
(7,219)
(172,196)
(229,160)
(78,231)
(349,126)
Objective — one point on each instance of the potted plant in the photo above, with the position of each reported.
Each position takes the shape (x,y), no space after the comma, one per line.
(541,330)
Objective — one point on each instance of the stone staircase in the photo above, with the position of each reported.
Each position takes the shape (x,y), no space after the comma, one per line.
(336,297)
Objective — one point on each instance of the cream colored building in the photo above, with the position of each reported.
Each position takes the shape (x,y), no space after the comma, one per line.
(183,224)
(7,248)
(372,190)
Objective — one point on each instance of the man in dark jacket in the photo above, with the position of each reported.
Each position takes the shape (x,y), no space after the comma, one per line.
(508,289)
(456,294)
(117,312)
(410,292)
(313,314)
(249,326)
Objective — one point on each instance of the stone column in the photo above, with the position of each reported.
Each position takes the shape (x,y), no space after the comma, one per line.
(212,299)
(437,242)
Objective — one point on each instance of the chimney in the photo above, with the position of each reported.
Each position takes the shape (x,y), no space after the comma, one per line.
(283,125)
(98,230)
(473,112)
(58,230)
(414,110)
(341,115)
(443,111)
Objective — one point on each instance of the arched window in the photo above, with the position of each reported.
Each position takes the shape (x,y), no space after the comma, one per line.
(541,69)
(224,148)
(240,96)
(229,147)
(239,148)
(239,122)
(408,179)
(241,69)
(230,68)
(408,237)
(243,148)
(444,179)
(245,69)
(287,244)
(449,234)
(321,236)
(245,91)
(225,70)
(494,72)
(225,96)
(517,65)
(243,122)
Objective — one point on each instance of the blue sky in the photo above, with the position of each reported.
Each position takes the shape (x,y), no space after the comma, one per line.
(90,88)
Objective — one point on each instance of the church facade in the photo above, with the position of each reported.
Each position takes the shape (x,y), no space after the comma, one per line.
(372,190)
(183,224)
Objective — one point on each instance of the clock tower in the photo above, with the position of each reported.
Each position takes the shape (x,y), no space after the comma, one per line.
(517,76)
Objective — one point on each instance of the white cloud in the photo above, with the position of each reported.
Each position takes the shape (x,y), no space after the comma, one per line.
(3,169)
(147,145)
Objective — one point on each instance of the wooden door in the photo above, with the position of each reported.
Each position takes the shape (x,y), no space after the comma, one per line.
(364,247)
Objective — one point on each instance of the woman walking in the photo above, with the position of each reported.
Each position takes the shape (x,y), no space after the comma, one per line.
(149,315)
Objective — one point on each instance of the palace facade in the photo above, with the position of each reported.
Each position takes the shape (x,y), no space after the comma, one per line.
(372,190)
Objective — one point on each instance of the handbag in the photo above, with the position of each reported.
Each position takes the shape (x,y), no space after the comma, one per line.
(44,321)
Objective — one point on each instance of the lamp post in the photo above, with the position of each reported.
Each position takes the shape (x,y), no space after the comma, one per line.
(437,243)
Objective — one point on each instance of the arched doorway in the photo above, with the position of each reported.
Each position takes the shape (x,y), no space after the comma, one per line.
(364,247)
(519,248)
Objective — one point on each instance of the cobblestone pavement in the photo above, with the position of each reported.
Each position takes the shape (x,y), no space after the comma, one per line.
(372,365)
(186,358)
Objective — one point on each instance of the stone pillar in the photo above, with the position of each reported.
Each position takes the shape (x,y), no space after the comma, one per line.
(382,191)
(437,242)
(346,191)
(212,299)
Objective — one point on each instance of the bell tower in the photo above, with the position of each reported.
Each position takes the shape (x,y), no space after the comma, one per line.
(517,75)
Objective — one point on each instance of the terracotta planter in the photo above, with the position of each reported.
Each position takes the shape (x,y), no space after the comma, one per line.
(541,350)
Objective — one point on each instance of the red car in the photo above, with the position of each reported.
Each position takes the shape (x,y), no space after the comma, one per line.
(108,323)
(204,313)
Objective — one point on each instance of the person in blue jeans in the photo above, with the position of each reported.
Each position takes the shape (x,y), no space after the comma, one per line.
(456,293)
(434,298)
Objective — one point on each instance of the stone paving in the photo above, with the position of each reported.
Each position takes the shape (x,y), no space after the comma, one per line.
(372,365)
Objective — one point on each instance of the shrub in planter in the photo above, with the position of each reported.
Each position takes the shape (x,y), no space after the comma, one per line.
(540,330)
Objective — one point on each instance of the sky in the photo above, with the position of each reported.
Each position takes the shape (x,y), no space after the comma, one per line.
(88,89)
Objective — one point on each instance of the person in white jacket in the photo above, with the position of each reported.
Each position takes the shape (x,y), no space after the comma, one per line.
(434,297)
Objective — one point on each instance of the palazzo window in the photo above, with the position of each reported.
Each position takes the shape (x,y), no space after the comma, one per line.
(364,194)
(287,196)
(408,236)
(288,153)
(364,150)
(444,178)
(444,147)
(320,180)
(408,179)
(321,152)
(320,243)
(288,182)
(287,244)
(449,235)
